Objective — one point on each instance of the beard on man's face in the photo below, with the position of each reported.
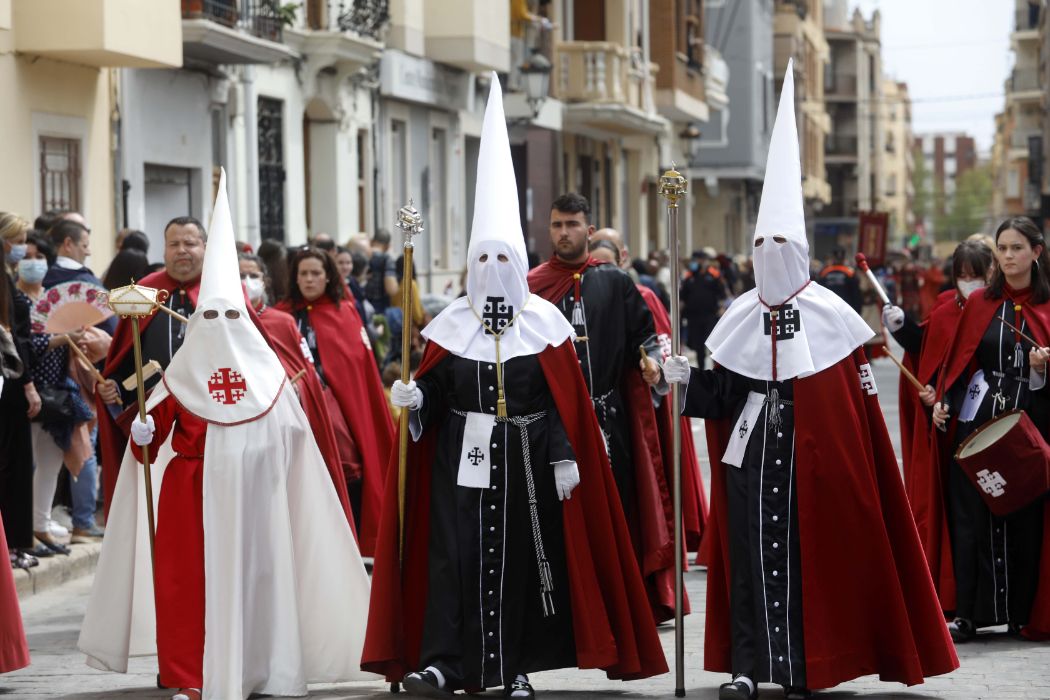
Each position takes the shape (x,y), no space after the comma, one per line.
(568,249)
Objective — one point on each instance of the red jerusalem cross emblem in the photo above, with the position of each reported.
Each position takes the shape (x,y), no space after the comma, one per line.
(227,386)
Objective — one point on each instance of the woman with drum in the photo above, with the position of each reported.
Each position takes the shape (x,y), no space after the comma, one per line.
(992,368)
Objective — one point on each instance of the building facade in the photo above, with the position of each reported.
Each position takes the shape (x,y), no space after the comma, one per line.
(729,159)
(853,152)
(945,156)
(898,160)
(57,70)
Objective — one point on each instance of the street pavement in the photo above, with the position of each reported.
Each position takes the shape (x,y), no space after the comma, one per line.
(995,666)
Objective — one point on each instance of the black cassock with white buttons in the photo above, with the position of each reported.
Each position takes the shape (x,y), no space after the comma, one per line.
(485,618)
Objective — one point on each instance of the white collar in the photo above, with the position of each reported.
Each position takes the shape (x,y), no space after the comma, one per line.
(818,328)
(68,263)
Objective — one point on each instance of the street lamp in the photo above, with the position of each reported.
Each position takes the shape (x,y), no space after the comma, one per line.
(537,72)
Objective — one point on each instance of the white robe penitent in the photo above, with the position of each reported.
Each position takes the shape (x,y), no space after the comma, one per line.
(286,591)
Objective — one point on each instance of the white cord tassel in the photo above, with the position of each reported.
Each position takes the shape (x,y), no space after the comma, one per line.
(577,313)
(1018,356)
(775,421)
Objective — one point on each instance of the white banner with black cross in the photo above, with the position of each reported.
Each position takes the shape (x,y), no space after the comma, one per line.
(475,457)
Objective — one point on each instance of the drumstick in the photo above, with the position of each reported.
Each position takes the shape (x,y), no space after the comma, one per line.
(862,263)
(298,375)
(99,379)
(1018,331)
(904,370)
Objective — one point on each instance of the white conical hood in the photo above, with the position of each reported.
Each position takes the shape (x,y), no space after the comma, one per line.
(814,327)
(496,229)
(497,289)
(781,269)
(225,372)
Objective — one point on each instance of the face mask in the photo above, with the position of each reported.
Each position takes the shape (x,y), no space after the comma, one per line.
(32,271)
(18,251)
(694,266)
(968,287)
(255,288)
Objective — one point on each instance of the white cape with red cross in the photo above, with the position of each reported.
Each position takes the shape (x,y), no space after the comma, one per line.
(813,327)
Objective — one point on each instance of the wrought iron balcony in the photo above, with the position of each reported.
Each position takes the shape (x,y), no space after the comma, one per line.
(366,18)
(259,18)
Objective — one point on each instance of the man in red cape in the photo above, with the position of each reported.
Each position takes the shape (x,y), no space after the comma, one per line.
(184,242)
(613,628)
(959,361)
(612,322)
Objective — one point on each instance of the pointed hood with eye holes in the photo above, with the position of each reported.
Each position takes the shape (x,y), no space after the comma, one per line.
(497,264)
(815,328)
(225,372)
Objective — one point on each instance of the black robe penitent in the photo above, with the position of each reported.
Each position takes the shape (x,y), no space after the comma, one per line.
(995,560)
(766,593)
(616,323)
(485,619)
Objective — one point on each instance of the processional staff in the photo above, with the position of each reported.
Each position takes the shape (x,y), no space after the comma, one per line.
(673,188)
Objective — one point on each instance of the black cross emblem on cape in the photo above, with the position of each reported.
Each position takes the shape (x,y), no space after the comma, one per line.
(497,315)
(787,320)
(743,430)
(476,457)
(975,391)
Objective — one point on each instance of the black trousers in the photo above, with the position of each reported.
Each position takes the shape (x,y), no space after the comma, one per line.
(16,468)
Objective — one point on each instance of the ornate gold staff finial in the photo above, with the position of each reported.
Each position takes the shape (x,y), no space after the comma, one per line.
(673,186)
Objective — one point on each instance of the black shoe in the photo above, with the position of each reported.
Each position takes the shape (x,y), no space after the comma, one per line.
(737,690)
(424,684)
(56,547)
(962,630)
(521,683)
(40,550)
(797,692)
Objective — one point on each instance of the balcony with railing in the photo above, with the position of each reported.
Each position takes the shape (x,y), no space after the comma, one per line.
(98,33)
(1026,20)
(343,33)
(840,87)
(606,87)
(235,31)
(1024,84)
(840,148)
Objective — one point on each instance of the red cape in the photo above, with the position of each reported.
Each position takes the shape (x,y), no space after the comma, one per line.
(287,343)
(924,471)
(613,627)
(554,278)
(652,523)
(113,432)
(959,359)
(14,652)
(868,603)
(351,373)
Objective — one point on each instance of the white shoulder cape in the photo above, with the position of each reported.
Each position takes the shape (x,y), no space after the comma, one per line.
(297,617)
(538,325)
(830,330)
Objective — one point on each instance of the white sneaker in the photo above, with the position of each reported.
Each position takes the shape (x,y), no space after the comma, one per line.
(57,530)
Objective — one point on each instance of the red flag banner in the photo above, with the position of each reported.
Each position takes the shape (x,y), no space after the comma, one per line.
(873,230)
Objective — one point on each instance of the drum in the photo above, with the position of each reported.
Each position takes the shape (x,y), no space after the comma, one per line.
(1008,462)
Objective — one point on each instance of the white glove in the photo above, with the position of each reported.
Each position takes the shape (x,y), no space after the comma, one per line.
(676,370)
(406,395)
(566,478)
(892,317)
(142,433)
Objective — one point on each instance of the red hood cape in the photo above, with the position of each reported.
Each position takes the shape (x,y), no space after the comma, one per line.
(613,627)
(287,343)
(869,605)
(113,431)
(652,524)
(959,359)
(14,652)
(554,278)
(920,478)
(351,373)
